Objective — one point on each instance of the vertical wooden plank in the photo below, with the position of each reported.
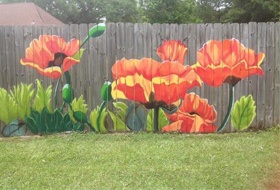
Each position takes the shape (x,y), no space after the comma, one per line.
(74,33)
(20,53)
(147,43)
(3,64)
(10,53)
(129,40)
(253,80)
(3,61)
(218,98)
(138,41)
(276,107)
(261,83)
(120,40)
(94,70)
(156,40)
(241,88)
(200,40)
(174,31)
(269,74)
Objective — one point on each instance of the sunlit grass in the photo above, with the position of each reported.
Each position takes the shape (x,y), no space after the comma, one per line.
(140,161)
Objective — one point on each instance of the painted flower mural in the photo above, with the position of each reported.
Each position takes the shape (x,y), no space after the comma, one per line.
(172,50)
(194,116)
(51,55)
(227,61)
(152,83)
(155,84)
(156,90)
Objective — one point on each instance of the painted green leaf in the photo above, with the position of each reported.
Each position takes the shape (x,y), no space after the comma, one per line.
(79,54)
(8,107)
(93,119)
(162,120)
(77,105)
(119,125)
(121,109)
(243,113)
(42,98)
(22,95)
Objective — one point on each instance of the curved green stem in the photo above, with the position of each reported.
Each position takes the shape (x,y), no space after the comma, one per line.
(92,128)
(156,111)
(68,77)
(55,92)
(231,102)
(99,114)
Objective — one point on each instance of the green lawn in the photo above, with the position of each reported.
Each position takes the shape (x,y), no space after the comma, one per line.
(247,160)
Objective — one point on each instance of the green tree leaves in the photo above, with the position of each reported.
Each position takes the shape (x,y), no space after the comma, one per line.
(243,113)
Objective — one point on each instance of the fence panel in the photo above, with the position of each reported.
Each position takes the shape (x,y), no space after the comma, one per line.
(128,40)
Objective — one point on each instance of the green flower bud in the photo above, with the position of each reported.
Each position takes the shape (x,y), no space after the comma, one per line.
(106,91)
(67,93)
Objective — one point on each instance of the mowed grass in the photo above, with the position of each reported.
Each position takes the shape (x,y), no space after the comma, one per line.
(248,160)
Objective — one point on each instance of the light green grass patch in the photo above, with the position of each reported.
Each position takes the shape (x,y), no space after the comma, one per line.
(140,161)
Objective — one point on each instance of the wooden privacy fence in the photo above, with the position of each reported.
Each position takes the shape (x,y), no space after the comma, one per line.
(141,40)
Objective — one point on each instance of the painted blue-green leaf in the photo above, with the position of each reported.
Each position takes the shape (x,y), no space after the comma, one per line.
(243,113)
(136,117)
(15,128)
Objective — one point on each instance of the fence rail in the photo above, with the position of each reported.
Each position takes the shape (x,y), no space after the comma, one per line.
(141,40)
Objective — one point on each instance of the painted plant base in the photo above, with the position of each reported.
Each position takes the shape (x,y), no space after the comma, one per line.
(161,103)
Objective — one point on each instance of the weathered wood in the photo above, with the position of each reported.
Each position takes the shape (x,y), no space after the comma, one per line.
(128,40)
(276,101)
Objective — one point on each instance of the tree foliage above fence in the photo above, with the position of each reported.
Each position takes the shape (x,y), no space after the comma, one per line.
(161,11)
(152,67)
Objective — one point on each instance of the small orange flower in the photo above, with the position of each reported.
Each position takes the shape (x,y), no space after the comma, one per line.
(172,51)
(194,116)
(152,83)
(227,61)
(51,56)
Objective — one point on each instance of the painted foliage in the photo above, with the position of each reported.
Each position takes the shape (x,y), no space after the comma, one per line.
(157,93)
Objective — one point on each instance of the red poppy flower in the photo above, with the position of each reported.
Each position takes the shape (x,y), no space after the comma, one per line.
(227,61)
(51,56)
(152,83)
(172,51)
(194,116)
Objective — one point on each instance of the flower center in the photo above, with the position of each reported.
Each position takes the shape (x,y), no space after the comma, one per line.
(58,59)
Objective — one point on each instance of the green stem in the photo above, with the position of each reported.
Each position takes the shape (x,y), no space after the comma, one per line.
(68,77)
(99,114)
(84,41)
(231,102)
(92,128)
(55,92)
(156,111)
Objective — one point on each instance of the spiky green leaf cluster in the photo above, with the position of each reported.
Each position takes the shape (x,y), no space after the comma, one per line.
(22,95)
(42,98)
(78,105)
(243,113)
(9,111)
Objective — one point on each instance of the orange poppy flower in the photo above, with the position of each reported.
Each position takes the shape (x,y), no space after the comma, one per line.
(227,61)
(172,51)
(51,56)
(194,116)
(152,83)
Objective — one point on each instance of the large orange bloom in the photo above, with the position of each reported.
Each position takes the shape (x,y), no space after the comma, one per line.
(153,83)
(227,61)
(172,51)
(51,56)
(194,116)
